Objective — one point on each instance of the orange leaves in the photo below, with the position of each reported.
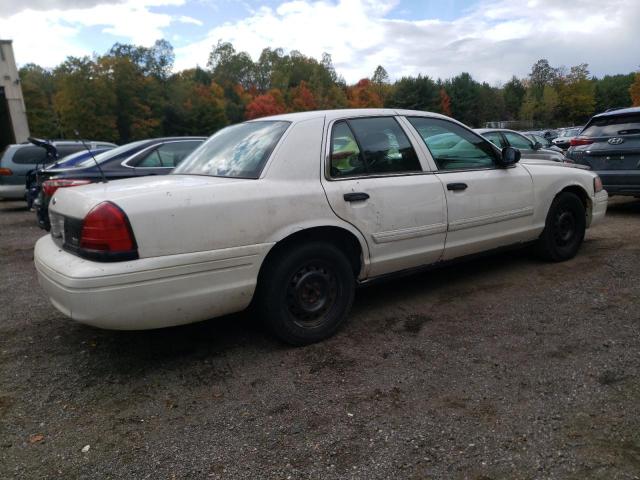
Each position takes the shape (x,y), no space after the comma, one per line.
(270,103)
(363,95)
(445,102)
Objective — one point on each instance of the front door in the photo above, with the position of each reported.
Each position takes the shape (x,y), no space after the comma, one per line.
(375,181)
(487,206)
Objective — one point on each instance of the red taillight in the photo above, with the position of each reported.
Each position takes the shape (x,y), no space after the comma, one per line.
(50,186)
(577,141)
(5,172)
(107,235)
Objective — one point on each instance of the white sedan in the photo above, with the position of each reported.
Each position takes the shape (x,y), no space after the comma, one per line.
(292,211)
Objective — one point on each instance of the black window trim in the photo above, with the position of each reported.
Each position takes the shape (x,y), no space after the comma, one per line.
(329,144)
(495,148)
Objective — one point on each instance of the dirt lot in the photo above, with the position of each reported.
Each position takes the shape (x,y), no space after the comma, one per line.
(502,368)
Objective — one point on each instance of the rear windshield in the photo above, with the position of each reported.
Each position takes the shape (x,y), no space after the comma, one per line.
(30,155)
(239,151)
(613,125)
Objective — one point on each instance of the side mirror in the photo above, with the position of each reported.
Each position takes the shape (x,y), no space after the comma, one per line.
(510,156)
(537,146)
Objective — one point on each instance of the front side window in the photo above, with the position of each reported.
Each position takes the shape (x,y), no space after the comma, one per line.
(452,146)
(495,138)
(518,141)
(239,151)
(371,146)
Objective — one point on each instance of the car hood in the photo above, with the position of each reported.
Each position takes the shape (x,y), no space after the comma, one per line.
(536,161)
(77,201)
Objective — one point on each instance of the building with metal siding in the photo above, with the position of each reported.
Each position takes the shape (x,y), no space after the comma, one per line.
(14,127)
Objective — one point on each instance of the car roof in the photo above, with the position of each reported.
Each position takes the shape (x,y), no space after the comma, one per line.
(489,130)
(349,112)
(621,111)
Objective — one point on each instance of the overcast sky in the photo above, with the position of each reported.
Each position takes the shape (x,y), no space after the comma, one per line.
(491,39)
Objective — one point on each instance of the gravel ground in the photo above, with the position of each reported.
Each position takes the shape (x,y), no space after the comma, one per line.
(500,368)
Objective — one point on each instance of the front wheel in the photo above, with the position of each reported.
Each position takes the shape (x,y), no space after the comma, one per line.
(305,293)
(564,228)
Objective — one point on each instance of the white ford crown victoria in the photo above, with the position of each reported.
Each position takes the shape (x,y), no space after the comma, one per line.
(292,211)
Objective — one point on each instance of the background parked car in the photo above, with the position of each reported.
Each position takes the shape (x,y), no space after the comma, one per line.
(563,140)
(545,142)
(610,145)
(156,156)
(18,159)
(33,186)
(548,134)
(530,149)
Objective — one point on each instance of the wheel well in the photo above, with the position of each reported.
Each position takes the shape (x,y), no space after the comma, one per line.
(584,198)
(343,239)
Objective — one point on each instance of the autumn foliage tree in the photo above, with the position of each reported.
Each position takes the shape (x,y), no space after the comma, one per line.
(363,95)
(131,92)
(270,103)
(634,91)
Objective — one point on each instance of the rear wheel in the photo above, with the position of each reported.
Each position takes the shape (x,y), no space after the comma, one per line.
(305,293)
(564,229)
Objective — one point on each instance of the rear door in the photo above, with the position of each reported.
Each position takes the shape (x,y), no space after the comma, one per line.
(375,180)
(487,206)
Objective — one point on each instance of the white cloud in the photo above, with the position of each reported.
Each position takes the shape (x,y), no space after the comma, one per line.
(47,37)
(190,20)
(493,41)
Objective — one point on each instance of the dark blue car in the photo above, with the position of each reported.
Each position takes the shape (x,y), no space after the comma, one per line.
(157,156)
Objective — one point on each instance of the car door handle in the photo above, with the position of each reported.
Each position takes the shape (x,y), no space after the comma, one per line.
(456,186)
(355,197)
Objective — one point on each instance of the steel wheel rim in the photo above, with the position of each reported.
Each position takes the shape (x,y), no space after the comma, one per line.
(565,227)
(311,293)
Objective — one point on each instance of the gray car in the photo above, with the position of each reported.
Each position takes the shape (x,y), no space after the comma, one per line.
(610,145)
(18,160)
(510,138)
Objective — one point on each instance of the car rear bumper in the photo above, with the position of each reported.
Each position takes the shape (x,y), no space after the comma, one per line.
(12,191)
(621,182)
(150,292)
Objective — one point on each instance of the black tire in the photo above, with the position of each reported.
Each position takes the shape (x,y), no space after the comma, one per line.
(564,229)
(304,293)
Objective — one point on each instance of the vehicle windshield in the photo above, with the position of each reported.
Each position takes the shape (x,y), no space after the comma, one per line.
(569,132)
(108,155)
(239,151)
(613,125)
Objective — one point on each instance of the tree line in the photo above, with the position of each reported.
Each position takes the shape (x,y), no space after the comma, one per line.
(131,93)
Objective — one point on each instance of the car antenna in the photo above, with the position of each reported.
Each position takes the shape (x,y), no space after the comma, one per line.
(104,178)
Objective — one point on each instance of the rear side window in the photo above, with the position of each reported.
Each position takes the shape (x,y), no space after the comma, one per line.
(30,155)
(613,125)
(454,147)
(370,146)
(168,155)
